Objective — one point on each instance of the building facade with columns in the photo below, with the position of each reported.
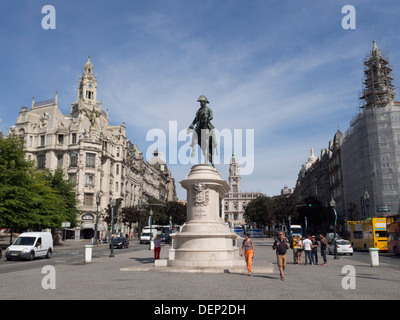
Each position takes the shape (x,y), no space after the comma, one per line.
(96,156)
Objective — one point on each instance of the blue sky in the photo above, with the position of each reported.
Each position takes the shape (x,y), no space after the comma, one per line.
(286,69)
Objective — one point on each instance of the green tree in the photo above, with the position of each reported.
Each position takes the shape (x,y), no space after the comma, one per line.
(259,211)
(317,215)
(117,210)
(177,211)
(133,215)
(130,215)
(27,198)
(159,213)
(66,190)
(15,175)
(46,207)
(282,207)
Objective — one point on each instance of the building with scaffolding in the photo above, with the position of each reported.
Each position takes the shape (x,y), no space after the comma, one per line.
(370,148)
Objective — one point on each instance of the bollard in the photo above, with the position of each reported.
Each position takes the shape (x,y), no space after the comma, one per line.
(374,254)
(88,253)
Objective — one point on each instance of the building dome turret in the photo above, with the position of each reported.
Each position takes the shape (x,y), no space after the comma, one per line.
(311,160)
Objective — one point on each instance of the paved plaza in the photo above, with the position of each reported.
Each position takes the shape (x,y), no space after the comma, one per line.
(103,279)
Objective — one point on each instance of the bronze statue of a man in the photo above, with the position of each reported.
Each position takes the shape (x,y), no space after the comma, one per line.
(203,134)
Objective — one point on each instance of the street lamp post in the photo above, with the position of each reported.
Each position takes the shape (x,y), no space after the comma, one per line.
(333,203)
(151,213)
(366,198)
(98,197)
(170,230)
(151,231)
(113,202)
(305,225)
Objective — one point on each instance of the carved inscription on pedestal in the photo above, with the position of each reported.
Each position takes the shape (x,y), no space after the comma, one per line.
(199,212)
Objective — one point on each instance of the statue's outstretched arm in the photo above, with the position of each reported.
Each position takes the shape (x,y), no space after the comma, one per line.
(193,123)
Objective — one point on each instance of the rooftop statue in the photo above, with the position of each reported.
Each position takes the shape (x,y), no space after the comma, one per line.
(92,115)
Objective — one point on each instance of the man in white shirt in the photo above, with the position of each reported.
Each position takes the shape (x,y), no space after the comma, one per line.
(307,248)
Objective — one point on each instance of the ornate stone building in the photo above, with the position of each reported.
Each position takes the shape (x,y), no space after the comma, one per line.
(313,179)
(322,177)
(235,201)
(96,156)
(336,174)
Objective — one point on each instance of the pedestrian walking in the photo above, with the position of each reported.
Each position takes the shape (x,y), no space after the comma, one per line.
(300,249)
(294,247)
(314,250)
(324,245)
(281,245)
(248,248)
(157,247)
(307,250)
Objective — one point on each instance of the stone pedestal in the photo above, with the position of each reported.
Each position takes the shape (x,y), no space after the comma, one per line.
(204,241)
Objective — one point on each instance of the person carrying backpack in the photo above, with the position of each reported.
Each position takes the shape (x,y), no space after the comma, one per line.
(281,245)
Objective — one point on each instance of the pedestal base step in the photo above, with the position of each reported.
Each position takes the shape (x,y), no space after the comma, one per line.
(161,266)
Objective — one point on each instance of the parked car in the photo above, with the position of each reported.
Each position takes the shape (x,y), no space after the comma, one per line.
(165,237)
(1,252)
(120,243)
(343,247)
(30,245)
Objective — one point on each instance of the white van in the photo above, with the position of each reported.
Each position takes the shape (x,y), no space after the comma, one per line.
(157,227)
(145,236)
(30,245)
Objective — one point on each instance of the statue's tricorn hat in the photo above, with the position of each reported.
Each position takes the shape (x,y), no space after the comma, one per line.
(203,98)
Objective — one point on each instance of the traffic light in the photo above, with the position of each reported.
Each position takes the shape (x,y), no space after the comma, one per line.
(303,205)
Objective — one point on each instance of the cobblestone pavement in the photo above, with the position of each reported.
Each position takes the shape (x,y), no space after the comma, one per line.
(103,279)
